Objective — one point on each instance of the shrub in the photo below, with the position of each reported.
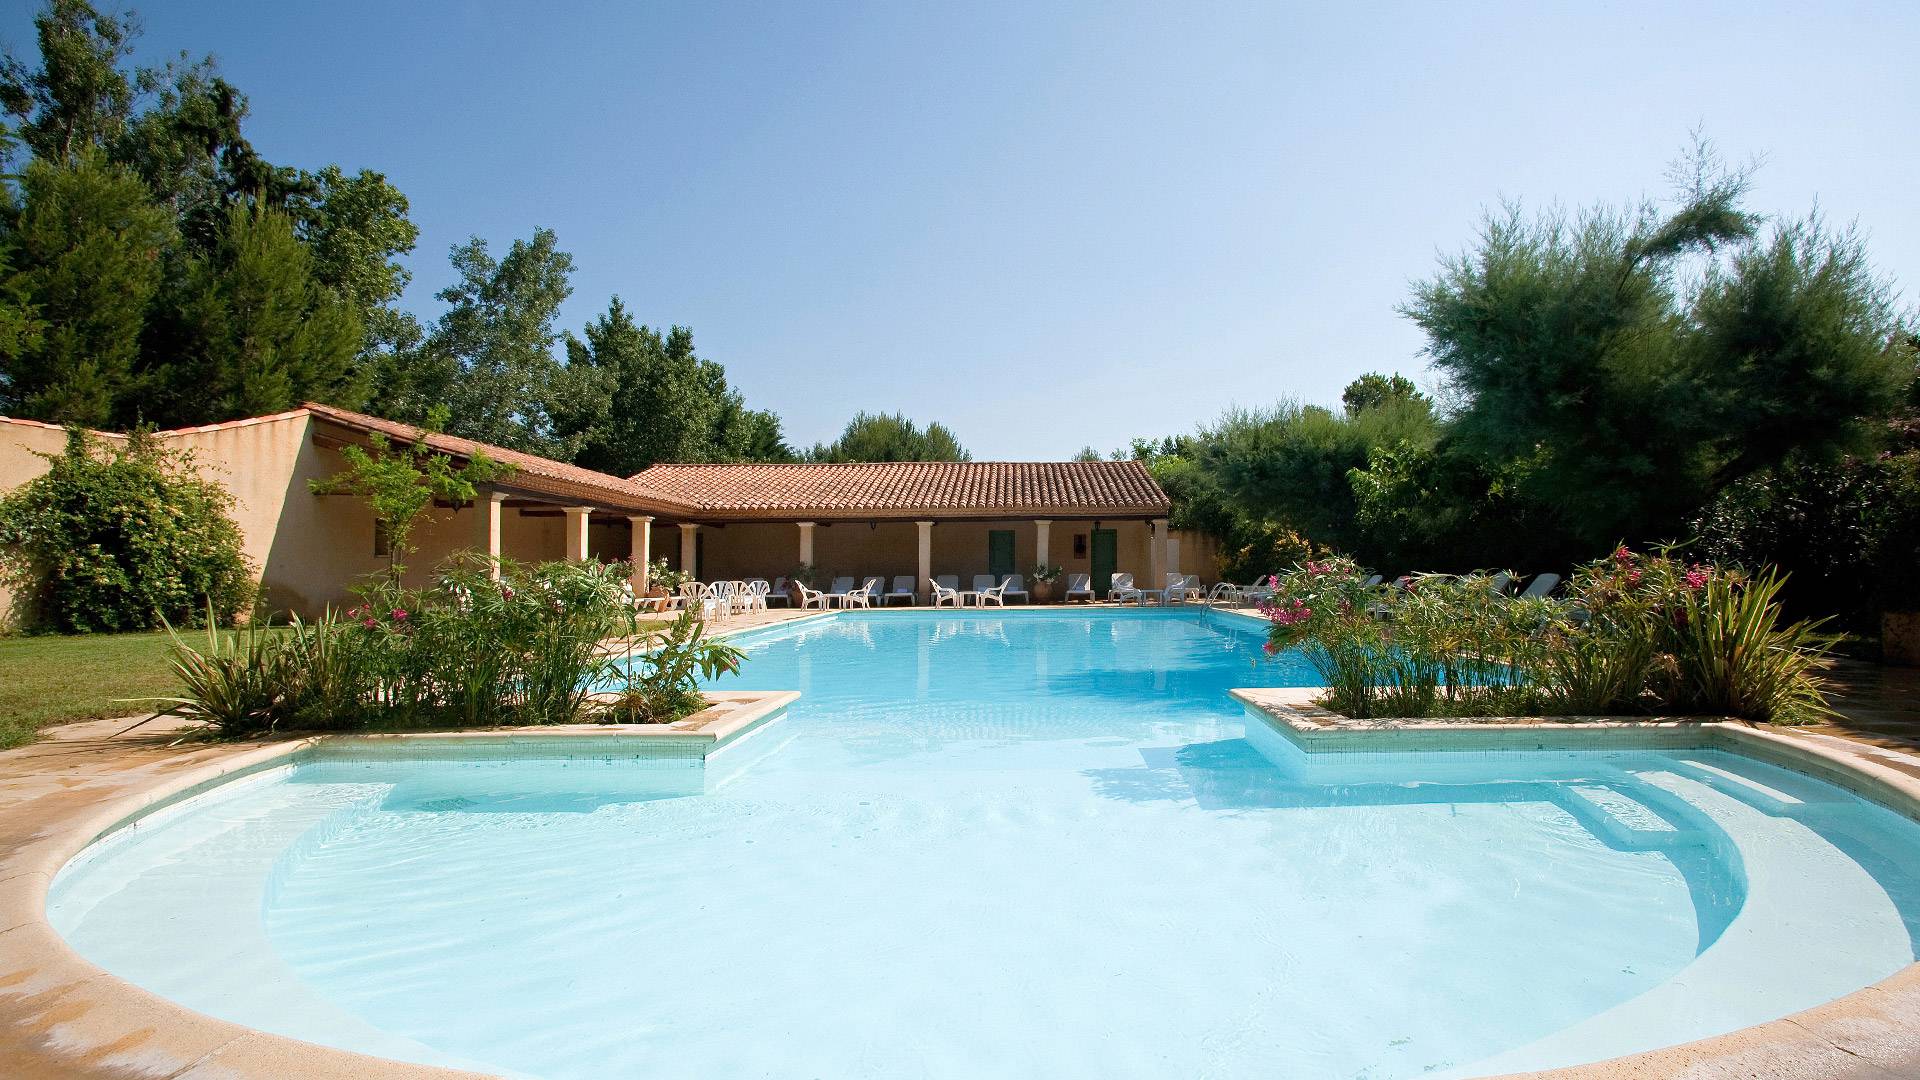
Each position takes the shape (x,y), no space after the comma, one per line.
(662,683)
(1639,633)
(237,686)
(123,539)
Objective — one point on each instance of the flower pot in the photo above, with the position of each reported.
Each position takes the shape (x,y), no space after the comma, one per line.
(1042,592)
(1900,637)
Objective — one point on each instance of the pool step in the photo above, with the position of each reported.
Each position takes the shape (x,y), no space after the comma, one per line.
(1780,793)
(1623,822)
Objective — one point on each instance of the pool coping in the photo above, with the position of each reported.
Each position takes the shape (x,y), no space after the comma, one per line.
(61,1015)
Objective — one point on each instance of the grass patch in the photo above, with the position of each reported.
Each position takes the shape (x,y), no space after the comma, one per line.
(59,679)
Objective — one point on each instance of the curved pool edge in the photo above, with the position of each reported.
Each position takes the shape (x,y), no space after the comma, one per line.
(61,1015)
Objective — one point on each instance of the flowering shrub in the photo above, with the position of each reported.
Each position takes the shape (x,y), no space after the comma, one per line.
(527,647)
(122,539)
(1638,633)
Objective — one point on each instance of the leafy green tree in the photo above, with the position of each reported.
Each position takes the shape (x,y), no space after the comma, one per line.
(1595,348)
(490,356)
(890,437)
(356,229)
(84,247)
(177,129)
(646,397)
(118,539)
(1088,453)
(1372,390)
(752,435)
(79,99)
(1290,464)
(400,484)
(254,331)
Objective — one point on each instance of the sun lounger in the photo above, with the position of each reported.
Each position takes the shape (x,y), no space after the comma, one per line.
(1078,585)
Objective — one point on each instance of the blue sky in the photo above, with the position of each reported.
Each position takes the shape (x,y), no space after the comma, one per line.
(1049,225)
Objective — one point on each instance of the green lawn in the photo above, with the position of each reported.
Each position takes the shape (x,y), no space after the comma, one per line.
(52,680)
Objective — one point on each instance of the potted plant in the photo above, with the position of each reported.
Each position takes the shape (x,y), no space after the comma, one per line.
(1041,580)
(662,583)
(805,574)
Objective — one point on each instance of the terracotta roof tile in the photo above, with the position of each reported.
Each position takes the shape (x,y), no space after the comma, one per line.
(585,484)
(904,489)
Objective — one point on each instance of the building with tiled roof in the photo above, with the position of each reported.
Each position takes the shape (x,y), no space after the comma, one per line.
(900,519)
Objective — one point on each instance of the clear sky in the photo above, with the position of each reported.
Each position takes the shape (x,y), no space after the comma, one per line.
(1049,225)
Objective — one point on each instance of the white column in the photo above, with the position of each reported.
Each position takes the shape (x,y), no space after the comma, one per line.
(689,547)
(806,542)
(495,504)
(1157,555)
(922,592)
(642,552)
(1173,554)
(577,533)
(1042,537)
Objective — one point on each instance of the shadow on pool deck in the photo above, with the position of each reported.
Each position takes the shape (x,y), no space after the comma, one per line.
(1878,704)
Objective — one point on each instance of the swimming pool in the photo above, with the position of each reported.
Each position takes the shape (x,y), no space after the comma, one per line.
(1031,844)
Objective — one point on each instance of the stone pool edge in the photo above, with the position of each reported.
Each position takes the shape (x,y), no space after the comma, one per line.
(1873,1032)
(60,1015)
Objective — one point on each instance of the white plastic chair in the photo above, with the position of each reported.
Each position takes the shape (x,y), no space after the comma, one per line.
(814,598)
(860,597)
(1015,585)
(1079,585)
(992,594)
(1122,589)
(945,595)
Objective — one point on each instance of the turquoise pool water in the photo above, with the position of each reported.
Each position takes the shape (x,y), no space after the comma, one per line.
(1036,844)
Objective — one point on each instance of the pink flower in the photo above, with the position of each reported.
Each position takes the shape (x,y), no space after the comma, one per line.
(369,622)
(1270,648)
(399,614)
(506,592)
(1633,576)
(1621,554)
(1697,577)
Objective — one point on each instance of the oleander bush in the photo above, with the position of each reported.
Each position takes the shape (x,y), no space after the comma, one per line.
(1637,633)
(480,647)
(122,538)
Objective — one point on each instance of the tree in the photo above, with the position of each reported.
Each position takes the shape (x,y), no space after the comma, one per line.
(1291,464)
(890,437)
(1635,383)
(1372,390)
(399,485)
(356,228)
(1088,453)
(647,398)
(490,356)
(177,131)
(253,330)
(79,99)
(84,246)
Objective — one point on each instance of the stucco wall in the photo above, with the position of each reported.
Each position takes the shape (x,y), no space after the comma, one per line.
(890,548)
(308,549)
